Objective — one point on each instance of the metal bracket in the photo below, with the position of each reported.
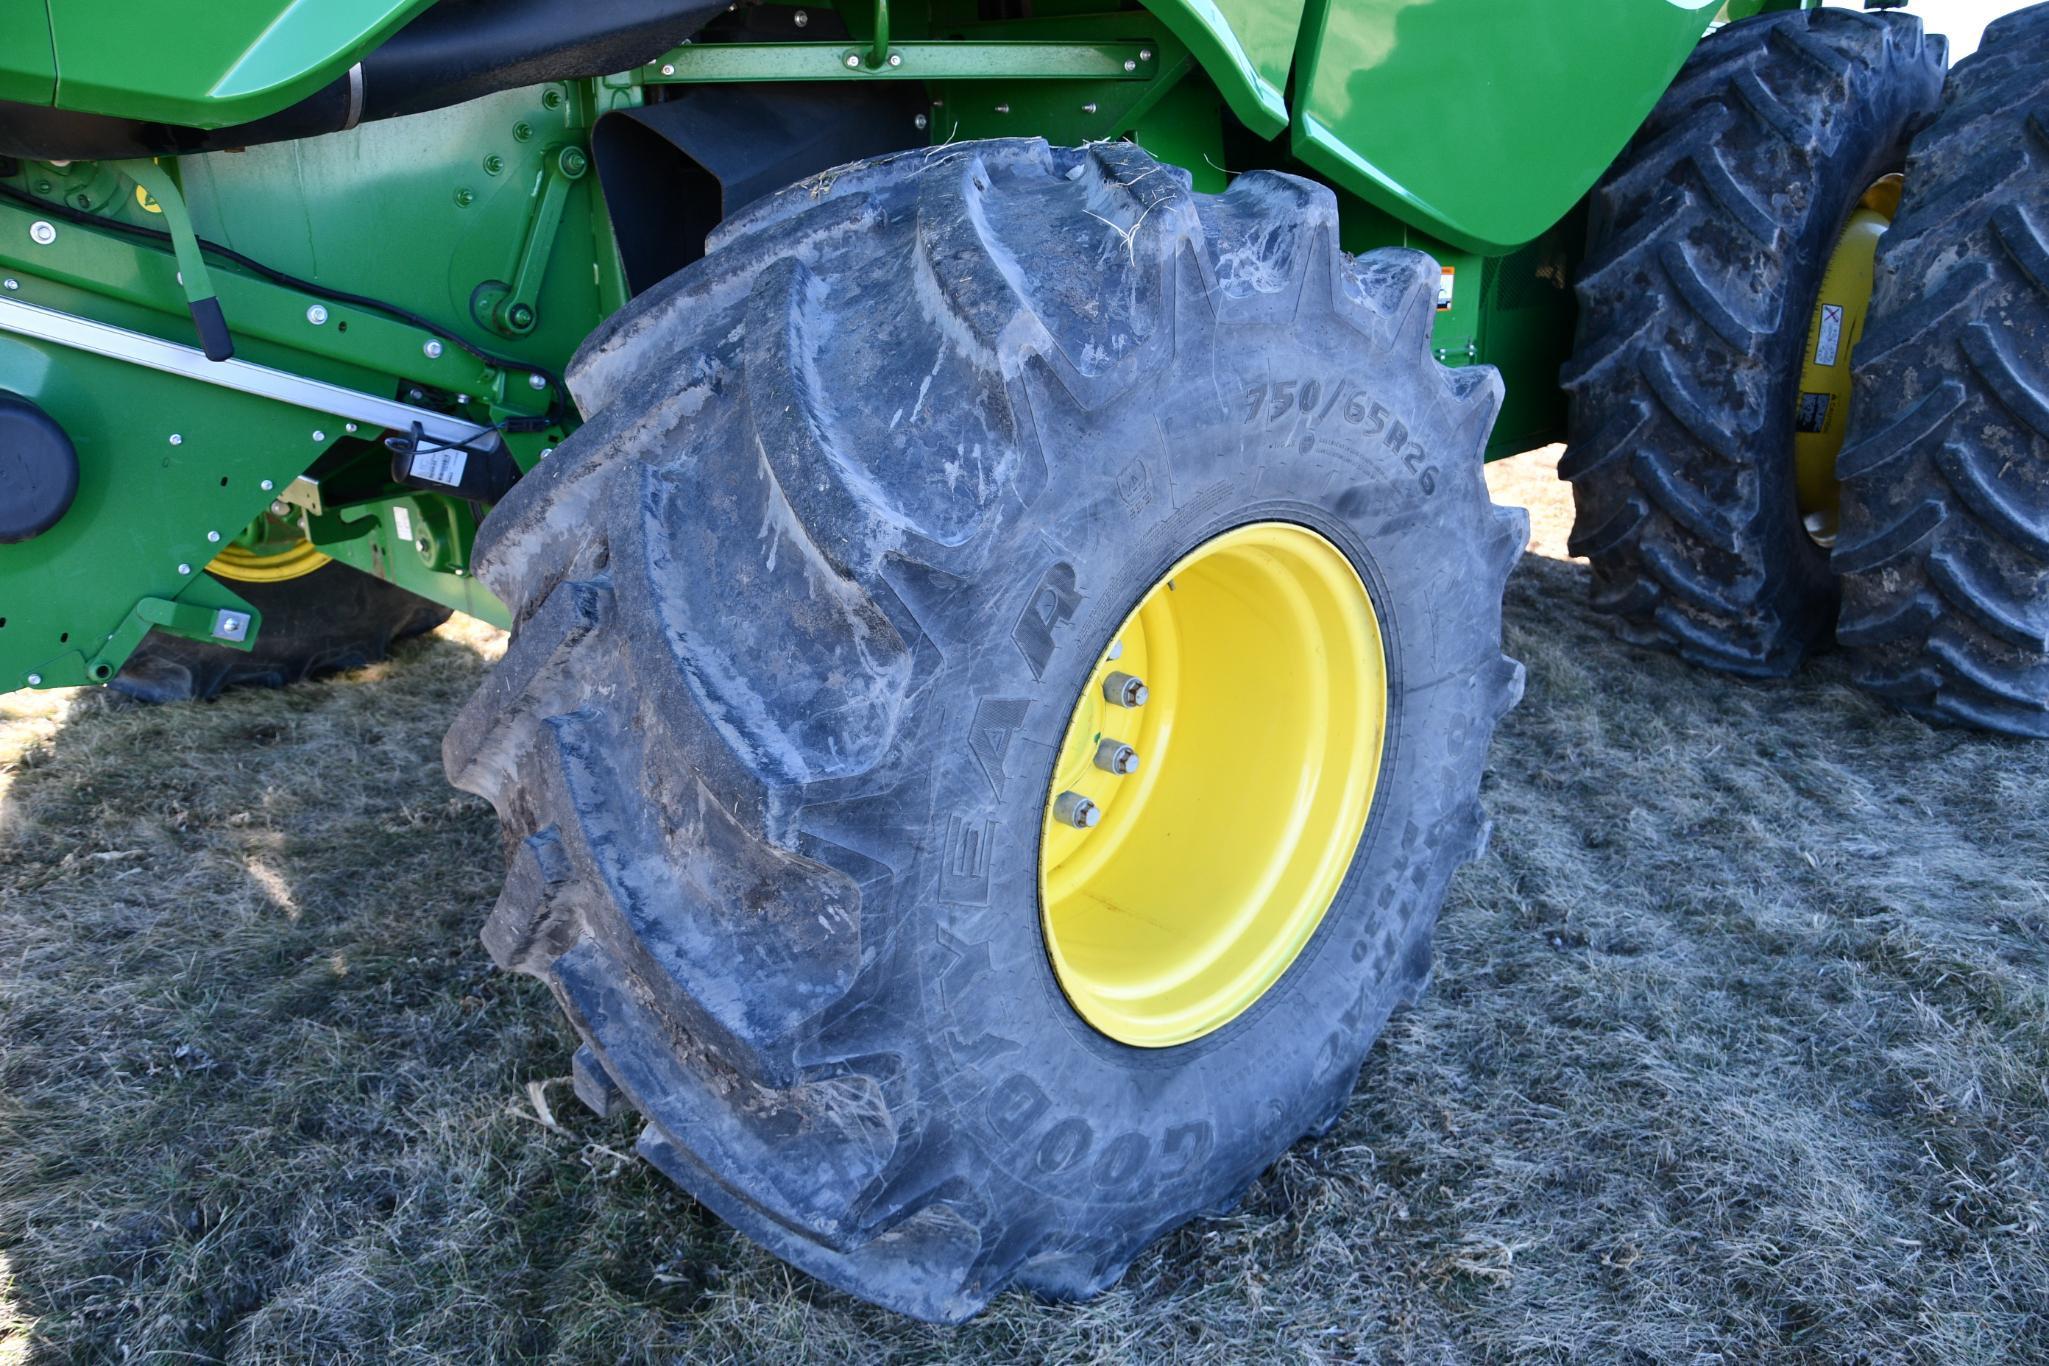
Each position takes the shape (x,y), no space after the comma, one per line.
(711,63)
(516,312)
(878,54)
(156,182)
(217,617)
(303,492)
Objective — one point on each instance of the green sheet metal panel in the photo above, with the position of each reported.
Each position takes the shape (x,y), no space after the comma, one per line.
(28,67)
(206,65)
(1245,47)
(1482,121)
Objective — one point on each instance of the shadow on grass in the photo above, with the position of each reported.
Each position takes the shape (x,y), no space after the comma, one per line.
(1739,1043)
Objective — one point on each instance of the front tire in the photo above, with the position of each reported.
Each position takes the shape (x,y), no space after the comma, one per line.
(803,613)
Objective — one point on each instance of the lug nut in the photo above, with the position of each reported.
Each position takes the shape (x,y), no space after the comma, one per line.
(1122,690)
(1071,808)
(1114,756)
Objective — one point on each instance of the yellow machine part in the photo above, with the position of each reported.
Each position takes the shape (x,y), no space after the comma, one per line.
(1174,895)
(244,565)
(1822,410)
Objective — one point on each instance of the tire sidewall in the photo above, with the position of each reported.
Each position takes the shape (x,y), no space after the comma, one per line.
(1075,1118)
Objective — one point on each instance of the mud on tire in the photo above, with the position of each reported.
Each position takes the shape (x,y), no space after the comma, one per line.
(802,612)
(1707,242)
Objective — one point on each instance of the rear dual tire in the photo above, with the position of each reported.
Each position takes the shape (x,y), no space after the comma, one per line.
(803,611)
(1944,554)
(1707,244)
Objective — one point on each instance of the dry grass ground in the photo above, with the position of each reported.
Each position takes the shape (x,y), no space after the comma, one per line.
(1739,1043)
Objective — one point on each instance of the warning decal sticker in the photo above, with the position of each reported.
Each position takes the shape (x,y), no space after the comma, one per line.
(1812,415)
(1444,290)
(443,467)
(1828,338)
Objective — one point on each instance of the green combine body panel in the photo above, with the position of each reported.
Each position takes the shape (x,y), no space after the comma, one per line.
(218,63)
(1510,131)
(500,261)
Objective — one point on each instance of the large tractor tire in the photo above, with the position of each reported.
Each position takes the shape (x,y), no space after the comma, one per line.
(327,618)
(1707,245)
(831,626)
(1944,550)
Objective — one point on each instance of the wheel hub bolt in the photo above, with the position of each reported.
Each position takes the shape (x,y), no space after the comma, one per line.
(1123,690)
(1114,756)
(1071,808)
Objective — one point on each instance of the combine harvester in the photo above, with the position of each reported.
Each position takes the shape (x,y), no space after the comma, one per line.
(1006,614)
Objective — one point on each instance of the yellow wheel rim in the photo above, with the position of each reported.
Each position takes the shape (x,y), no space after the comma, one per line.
(294,560)
(1822,410)
(1257,746)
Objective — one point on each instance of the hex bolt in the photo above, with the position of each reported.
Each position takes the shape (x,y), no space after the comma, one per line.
(521,317)
(1071,808)
(266,486)
(1130,65)
(280,508)
(35,680)
(896,59)
(1122,690)
(214,536)
(42,232)
(465,197)
(316,315)
(432,350)
(1089,108)
(1145,54)
(920,122)
(1116,650)
(1114,756)
(319,435)
(348,427)
(493,164)
(11,284)
(1003,109)
(184,569)
(853,61)
(573,162)
(177,440)
(668,68)
(522,131)
(416,395)
(547,451)
(800,19)
(536,381)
